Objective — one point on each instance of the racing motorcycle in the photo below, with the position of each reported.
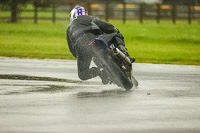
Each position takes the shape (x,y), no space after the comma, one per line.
(116,65)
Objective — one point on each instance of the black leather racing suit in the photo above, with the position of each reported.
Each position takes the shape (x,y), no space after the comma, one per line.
(80,33)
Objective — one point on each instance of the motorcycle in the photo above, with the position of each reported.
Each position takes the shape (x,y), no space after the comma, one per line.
(116,65)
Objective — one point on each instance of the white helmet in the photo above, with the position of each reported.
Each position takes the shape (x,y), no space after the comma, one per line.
(77,11)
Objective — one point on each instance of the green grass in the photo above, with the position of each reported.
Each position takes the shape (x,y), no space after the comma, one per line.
(162,43)
(5,14)
(44,14)
(29,40)
(149,42)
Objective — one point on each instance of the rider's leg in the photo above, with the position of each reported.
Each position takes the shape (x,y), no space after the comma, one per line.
(102,73)
(84,56)
(84,70)
(85,73)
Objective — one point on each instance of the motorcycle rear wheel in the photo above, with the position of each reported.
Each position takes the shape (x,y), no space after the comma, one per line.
(117,75)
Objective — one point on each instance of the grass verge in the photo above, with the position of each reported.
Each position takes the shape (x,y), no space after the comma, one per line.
(148,42)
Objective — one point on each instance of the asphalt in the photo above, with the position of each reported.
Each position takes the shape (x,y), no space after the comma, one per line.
(46,96)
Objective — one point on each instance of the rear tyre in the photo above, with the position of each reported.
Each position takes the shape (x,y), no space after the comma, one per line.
(116,74)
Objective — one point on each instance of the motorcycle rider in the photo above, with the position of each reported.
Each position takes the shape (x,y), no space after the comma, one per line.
(81,31)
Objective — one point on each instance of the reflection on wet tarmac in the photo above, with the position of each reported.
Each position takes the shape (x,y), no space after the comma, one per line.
(25,77)
(47,84)
(104,93)
(48,97)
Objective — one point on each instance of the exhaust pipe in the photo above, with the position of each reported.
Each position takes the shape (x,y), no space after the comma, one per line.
(121,55)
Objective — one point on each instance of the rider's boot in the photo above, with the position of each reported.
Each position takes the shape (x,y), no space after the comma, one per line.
(104,76)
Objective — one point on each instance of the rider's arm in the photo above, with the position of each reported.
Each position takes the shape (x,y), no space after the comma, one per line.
(104,26)
(107,27)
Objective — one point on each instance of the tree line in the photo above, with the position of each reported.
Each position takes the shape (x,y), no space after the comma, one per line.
(14,6)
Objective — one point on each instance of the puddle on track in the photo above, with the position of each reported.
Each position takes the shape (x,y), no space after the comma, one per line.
(25,77)
(23,84)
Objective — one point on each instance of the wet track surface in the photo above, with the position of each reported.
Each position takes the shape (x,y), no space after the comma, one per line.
(46,96)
